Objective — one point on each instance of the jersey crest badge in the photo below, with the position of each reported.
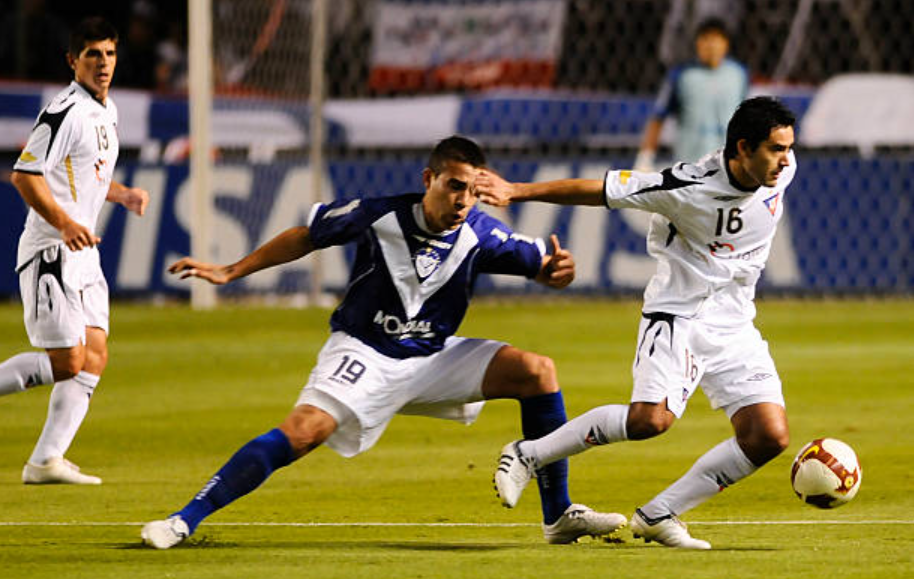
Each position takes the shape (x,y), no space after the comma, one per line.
(427,261)
(772,202)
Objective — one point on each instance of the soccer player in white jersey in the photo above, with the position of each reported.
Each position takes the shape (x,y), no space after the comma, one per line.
(64,174)
(393,349)
(711,233)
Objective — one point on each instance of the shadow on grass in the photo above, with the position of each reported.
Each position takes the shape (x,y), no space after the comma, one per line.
(205,543)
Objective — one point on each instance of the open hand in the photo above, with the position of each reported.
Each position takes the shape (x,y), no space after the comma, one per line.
(492,189)
(188,267)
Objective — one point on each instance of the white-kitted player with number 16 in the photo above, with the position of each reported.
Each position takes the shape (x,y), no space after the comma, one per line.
(711,232)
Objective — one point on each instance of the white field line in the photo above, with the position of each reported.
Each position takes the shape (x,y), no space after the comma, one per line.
(383,524)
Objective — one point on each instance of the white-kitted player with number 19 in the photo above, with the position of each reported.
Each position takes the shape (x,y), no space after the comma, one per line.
(64,174)
(711,232)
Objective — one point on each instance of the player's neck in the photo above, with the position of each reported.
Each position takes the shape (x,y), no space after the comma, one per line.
(739,177)
(100,96)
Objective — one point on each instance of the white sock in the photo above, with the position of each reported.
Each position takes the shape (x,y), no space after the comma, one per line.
(24,371)
(66,411)
(720,467)
(595,427)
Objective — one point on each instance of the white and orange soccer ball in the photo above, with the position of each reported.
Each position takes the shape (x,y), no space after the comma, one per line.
(826,473)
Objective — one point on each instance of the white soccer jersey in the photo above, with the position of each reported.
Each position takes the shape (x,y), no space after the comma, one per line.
(74,145)
(711,238)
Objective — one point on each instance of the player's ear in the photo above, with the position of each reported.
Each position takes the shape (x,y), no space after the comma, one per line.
(743,148)
(427,176)
(71,60)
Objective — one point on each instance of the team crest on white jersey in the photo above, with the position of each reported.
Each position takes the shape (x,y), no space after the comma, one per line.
(427,261)
(772,202)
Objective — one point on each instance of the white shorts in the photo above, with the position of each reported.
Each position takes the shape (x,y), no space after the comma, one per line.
(63,292)
(732,364)
(363,389)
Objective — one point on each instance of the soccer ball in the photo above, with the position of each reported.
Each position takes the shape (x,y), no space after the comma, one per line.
(826,473)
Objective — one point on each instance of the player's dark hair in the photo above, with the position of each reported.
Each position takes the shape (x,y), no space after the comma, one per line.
(458,149)
(89,30)
(713,25)
(754,120)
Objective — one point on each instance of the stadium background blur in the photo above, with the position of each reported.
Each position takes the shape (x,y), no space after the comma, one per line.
(552,88)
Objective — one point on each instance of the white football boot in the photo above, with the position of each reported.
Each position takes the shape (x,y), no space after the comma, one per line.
(668,530)
(57,470)
(578,521)
(165,534)
(513,473)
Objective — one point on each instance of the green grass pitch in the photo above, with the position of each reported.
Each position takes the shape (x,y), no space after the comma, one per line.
(185,389)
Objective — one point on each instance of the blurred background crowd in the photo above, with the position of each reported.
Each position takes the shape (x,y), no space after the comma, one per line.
(614,46)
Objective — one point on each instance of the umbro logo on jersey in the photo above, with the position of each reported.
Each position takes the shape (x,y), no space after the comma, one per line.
(27,157)
(772,202)
(758,377)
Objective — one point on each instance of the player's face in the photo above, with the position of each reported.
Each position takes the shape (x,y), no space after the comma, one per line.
(94,66)
(711,48)
(449,195)
(764,164)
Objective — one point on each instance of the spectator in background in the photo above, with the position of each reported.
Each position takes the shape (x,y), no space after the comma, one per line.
(33,43)
(702,95)
(171,63)
(137,53)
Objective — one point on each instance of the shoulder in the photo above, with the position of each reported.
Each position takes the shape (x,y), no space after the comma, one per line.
(360,208)
(733,64)
(488,229)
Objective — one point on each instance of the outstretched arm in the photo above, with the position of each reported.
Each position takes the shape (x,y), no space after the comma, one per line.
(558,269)
(133,198)
(291,244)
(494,190)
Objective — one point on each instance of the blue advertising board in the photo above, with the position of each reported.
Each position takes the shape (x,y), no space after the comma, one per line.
(847,228)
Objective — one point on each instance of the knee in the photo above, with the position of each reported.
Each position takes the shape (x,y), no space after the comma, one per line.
(307,428)
(764,445)
(539,376)
(68,363)
(96,361)
(648,423)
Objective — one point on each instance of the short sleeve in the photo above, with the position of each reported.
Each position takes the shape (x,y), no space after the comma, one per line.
(49,142)
(506,252)
(647,191)
(341,221)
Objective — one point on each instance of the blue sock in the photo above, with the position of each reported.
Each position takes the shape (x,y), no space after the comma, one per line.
(244,472)
(540,415)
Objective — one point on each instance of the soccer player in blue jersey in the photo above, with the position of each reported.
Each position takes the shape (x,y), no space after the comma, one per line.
(392,348)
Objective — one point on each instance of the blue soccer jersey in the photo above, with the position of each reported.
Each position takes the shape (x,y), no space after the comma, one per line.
(409,289)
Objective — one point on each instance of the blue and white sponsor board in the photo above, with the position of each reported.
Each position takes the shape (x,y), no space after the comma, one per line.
(848,225)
